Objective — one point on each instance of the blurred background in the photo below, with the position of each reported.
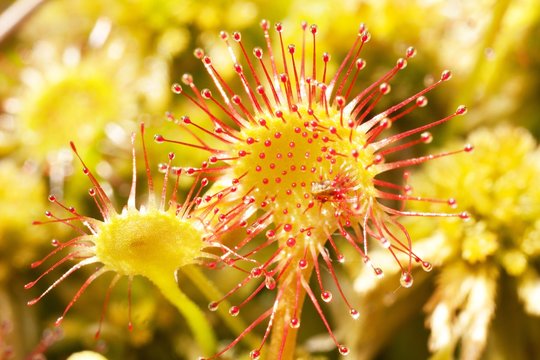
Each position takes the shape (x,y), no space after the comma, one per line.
(90,71)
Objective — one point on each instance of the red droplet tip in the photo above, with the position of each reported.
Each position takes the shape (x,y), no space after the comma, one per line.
(446,75)
(159,138)
(461,110)
(176,88)
(343,350)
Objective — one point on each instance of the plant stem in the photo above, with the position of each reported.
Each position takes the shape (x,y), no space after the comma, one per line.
(209,290)
(196,319)
(289,301)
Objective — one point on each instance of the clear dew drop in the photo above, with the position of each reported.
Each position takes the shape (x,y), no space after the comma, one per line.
(326,296)
(294,323)
(187,79)
(446,75)
(213,306)
(411,52)
(461,110)
(256,272)
(427,266)
(198,53)
(354,314)
(176,88)
(378,272)
(343,350)
(406,280)
(163,168)
(366,36)
(234,311)
(426,137)
(385,88)
(270,283)
(255,354)
(421,101)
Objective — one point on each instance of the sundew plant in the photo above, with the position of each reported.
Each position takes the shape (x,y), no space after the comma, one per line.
(296,176)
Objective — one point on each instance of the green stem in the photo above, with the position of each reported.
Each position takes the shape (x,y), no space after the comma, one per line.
(209,290)
(196,319)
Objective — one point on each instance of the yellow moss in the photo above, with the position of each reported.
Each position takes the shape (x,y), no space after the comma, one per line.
(531,241)
(498,185)
(76,105)
(514,262)
(478,244)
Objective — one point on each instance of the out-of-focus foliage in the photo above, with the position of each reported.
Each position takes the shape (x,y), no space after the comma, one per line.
(90,70)
(493,261)
(486,275)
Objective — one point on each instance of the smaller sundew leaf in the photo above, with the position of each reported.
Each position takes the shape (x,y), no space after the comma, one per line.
(150,240)
(153,242)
